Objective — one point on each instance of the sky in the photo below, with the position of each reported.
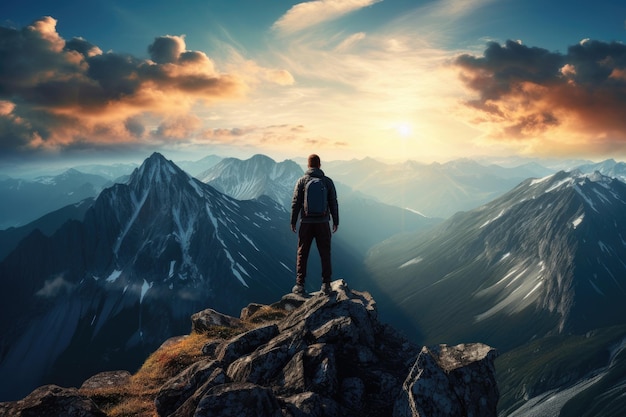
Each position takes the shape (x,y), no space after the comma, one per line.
(389,79)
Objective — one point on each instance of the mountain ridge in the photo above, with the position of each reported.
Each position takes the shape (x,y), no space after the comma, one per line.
(146,255)
(517,251)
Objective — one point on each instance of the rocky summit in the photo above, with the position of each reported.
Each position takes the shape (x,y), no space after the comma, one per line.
(321,355)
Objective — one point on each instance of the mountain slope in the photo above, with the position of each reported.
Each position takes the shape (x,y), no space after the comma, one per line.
(251,178)
(30,200)
(105,291)
(47,224)
(565,375)
(545,257)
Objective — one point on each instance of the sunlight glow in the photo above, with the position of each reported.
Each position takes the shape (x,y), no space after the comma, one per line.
(404,129)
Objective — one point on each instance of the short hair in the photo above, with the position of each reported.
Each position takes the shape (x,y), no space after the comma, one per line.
(314,161)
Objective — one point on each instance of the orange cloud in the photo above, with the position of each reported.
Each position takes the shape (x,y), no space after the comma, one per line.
(56,94)
(533,95)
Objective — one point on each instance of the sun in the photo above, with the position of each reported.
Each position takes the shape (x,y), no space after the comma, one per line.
(404,129)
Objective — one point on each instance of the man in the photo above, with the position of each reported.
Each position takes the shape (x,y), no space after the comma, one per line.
(314,225)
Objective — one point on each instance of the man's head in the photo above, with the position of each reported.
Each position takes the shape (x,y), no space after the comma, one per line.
(314,161)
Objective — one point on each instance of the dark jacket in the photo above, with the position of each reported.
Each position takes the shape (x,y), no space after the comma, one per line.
(297,202)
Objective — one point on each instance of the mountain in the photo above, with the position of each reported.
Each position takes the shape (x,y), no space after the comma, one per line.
(545,257)
(103,292)
(322,355)
(609,167)
(47,224)
(544,260)
(435,190)
(111,172)
(31,199)
(251,178)
(261,175)
(565,375)
(195,168)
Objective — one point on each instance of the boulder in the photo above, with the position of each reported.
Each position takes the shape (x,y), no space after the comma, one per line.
(107,379)
(180,388)
(202,321)
(51,400)
(239,400)
(450,381)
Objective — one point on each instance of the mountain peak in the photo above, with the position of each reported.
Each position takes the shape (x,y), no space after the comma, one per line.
(155,169)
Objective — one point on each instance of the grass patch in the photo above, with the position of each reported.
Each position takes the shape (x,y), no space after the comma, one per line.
(136,398)
(267,314)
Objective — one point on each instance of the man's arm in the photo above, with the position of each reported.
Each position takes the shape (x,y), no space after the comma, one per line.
(296,205)
(333,204)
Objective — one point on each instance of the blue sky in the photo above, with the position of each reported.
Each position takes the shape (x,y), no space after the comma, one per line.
(395,79)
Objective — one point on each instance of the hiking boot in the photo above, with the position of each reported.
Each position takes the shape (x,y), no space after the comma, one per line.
(298,289)
(326,289)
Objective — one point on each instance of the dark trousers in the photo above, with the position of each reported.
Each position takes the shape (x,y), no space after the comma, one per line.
(321,233)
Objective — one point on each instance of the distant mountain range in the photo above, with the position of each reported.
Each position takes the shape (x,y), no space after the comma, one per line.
(434,190)
(26,200)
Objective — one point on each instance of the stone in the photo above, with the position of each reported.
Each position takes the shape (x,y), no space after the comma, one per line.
(52,400)
(352,393)
(250,310)
(310,404)
(107,379)
(245,343)
(449,381)
(179,388)
(204,320)
(239,400)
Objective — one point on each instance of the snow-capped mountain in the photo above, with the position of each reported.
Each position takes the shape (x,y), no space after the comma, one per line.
(547,257)
(102,292)
(609,167)
(254,177)
(27,200)
(261,175)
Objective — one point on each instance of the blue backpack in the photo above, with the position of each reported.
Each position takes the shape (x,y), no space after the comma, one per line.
(315,197)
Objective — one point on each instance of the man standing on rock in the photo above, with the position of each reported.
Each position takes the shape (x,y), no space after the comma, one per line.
(315,201)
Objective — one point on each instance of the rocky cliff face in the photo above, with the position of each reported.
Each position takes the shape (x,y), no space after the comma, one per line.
(327,355)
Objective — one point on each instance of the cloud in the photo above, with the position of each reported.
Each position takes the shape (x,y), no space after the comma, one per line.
(54,287)
(531,94)
(57,94)
(179,128)
(312,13)
(349,42)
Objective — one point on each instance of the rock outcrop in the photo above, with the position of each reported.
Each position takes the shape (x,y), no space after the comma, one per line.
(323,355)
(51,400)
(331,356)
